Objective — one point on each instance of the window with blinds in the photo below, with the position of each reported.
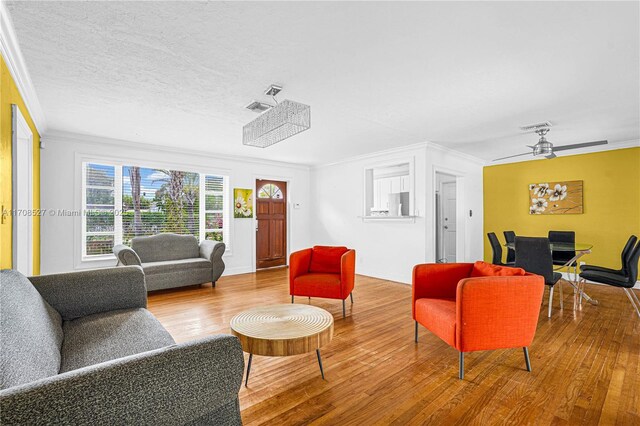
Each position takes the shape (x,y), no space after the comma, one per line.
(125,201)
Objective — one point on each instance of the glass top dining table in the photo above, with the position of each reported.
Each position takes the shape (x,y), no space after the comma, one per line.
(580,249)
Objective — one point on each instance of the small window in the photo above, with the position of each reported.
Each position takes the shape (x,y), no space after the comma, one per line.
(270,191)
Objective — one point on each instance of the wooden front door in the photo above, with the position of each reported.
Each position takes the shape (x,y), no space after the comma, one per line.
(271,223)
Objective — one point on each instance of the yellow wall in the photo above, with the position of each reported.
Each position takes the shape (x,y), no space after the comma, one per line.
(9,95)
(611,198)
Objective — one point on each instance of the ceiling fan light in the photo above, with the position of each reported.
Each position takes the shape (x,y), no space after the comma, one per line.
(543,148)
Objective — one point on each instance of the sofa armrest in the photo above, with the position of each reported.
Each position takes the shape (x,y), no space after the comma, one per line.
(497,312)
(437,280)
(213,252)
(82,293)
(173,385)
(347,272)
(126,255)
(299,262)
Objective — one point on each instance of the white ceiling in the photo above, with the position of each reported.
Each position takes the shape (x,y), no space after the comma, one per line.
(377,75)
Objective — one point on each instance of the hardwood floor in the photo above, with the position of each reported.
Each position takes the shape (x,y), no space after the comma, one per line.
(586,364)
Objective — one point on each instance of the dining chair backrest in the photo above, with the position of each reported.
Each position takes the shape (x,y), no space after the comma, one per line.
(533,254)
(510,238)
(627,251)
(496,248)
(562,257)
(632,266)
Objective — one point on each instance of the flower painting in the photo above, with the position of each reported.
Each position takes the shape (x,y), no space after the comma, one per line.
(242,203)
(555,197)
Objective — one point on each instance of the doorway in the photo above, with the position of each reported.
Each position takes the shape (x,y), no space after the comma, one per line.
(446,218)
(271,223)
(22,148)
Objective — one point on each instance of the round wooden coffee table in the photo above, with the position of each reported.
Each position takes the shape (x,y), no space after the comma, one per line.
(283,330)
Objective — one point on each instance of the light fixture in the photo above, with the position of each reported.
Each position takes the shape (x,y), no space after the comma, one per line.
(277,123)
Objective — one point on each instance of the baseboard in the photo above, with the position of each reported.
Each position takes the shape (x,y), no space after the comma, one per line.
(567,276)
(238,270)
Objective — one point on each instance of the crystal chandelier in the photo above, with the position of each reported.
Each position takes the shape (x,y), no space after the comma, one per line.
(278,123)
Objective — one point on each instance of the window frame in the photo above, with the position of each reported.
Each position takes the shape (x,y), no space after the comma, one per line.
(119,164)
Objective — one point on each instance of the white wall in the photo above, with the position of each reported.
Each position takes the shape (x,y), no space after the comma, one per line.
(390,248)
(60,189)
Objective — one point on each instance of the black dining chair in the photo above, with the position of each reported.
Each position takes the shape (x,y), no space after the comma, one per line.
(626,282)
(533,254)
(626,252)
(510,238)
(497,250)
(562,258)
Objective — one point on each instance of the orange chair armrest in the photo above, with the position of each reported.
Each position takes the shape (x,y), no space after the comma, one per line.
(299,262)
(347,272)
(437,280)
(497,312)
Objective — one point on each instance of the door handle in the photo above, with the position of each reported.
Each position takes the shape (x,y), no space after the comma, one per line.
(446,227)
(257,225)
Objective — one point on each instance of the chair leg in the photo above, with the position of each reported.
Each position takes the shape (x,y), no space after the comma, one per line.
(635,296)
(550,300)
(527,361)
(561,295)
(292,298)
(416,333)
(351,296)
(461,366)
(631,299)
(343,309)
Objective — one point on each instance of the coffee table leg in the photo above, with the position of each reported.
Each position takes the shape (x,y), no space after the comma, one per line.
(320,363)
(246,381)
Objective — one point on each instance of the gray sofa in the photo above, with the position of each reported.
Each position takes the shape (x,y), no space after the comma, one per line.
(172,260)
(80,348)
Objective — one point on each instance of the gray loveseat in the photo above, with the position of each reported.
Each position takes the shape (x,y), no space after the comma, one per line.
(172,260)
(80,348)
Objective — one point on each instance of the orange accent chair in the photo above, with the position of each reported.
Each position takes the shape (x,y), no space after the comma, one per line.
(477,307)
(323,271)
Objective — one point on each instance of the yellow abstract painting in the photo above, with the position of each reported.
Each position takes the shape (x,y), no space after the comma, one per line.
(556,197)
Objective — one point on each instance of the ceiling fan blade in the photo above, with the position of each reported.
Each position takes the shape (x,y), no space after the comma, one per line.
(579,145)
(511,156)
(550,156)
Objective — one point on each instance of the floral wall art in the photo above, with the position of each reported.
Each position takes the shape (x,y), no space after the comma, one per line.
(242,203)
(556,197)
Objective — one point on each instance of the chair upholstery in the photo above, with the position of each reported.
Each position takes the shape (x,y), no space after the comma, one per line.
(80,348)
(533,254)
(624,259)
(496,248)
(626,281)
(472,310)
(510,238)
(322,271)
(172,260)
(562,257)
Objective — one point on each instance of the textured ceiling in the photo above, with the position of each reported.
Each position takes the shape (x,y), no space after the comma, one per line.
(377,75)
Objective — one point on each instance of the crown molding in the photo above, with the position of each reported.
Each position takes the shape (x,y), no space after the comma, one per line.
(10,51)
(402,150)
(59,136)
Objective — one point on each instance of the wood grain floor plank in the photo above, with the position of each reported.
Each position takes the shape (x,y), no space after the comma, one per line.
(586,363)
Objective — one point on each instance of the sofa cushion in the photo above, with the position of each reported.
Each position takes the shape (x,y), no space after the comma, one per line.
(156,248)
(484,269)
(30,332)
(168,266)
(318,285)
(326,259)
(439,316)
(110,335)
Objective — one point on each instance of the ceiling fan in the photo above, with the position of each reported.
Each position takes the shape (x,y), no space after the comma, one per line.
(546,148)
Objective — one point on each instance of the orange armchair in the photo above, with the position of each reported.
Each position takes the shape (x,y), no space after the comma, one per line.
(323,271)
(477,307)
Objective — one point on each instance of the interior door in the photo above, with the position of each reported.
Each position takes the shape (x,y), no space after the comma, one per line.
(22,139)
(449,221)
(271,223)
